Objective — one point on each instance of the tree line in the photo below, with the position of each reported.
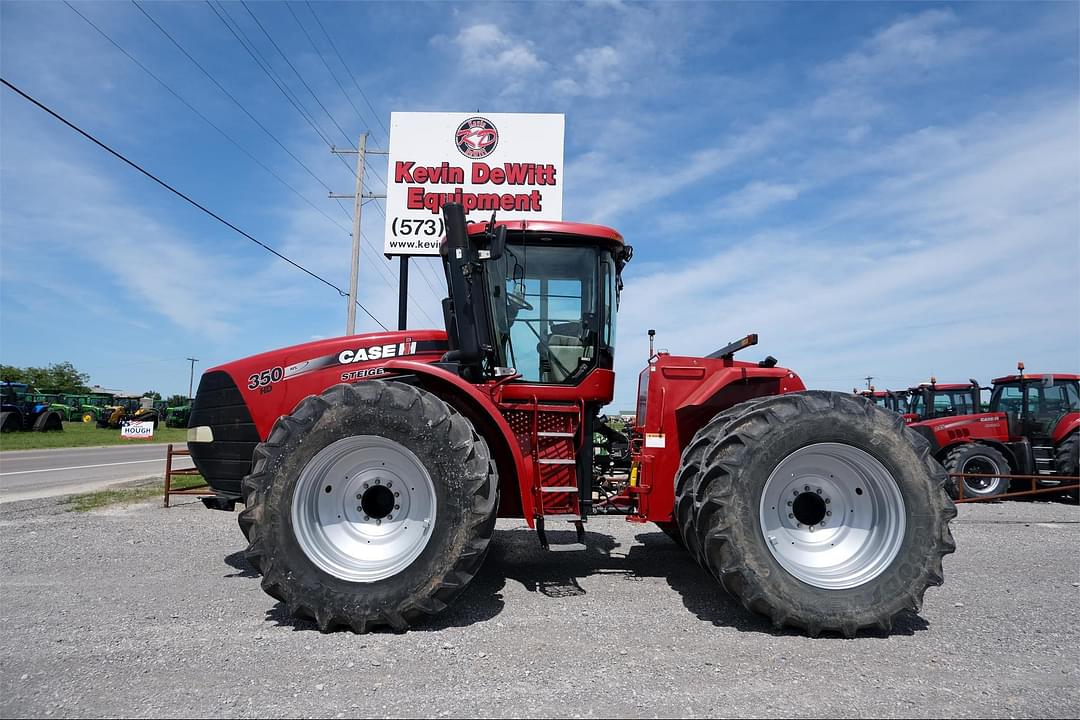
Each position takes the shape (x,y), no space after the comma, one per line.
(63,377)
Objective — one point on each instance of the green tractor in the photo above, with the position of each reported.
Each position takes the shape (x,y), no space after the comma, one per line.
(94,407)
(177,416)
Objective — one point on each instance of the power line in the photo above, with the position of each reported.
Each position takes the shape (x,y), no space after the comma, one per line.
(267,68)
(297,72)
(343,63)
(181,195)
(205,119)
(230,95)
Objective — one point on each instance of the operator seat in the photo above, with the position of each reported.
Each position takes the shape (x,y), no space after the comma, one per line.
(563,353)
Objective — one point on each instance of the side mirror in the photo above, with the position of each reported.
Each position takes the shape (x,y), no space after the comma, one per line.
(498,242)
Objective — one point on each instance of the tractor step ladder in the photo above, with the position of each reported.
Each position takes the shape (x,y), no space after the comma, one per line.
(555,485)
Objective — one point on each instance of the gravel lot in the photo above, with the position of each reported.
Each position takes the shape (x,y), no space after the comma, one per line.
(141,611)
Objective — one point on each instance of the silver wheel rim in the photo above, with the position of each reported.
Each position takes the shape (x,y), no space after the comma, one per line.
(855,511)
(363,508)
(981,465)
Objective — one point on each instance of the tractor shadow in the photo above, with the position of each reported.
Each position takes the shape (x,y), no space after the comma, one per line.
(516,555)
(238,562)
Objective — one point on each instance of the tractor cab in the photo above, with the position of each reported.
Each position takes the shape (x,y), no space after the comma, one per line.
(895,400)
(1036,405)
(932,400)
(533,300)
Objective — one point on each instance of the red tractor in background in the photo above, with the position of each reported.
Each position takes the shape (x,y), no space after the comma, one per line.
(895,400)
(929,401)
(373,467)
(1032,428)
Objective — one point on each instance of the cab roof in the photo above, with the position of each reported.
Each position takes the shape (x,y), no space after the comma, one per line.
(944,386)
(553,227)
(1035,377)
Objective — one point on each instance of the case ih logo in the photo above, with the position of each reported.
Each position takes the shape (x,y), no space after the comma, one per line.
(476,138)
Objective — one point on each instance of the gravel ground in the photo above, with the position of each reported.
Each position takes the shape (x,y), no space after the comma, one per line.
(141,611)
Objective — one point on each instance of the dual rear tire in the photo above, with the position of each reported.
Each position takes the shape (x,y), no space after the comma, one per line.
(817,510)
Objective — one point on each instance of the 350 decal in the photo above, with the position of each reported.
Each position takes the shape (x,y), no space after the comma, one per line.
(263,378)
(406,227)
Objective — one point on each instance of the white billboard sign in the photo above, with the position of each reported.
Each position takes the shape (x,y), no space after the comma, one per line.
(507,163)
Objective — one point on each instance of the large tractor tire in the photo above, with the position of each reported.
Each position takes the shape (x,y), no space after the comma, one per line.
(49,421)
(979,459)
(10,422)
(370,505)
(818,510)
(1067,456)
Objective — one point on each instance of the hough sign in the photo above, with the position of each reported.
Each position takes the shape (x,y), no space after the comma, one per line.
(507,163)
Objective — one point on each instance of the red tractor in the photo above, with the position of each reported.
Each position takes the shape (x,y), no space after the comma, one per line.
(1032,428)
(373,467)
(895,400)
(929,401)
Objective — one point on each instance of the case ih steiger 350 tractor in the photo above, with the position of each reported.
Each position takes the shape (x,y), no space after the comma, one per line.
(373,467)
(1032,428)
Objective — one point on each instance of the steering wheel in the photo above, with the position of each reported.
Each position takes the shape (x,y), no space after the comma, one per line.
(517,302)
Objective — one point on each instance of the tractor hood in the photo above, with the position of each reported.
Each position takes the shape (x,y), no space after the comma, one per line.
(272,383)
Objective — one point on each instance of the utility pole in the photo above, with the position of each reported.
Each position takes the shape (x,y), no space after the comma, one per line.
(868,379)
(358,201)
(191,378)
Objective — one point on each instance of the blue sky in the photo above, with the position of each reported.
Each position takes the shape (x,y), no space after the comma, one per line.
(889,189)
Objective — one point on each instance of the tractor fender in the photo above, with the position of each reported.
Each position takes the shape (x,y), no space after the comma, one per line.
(734,380)
(486,418)
(1068,424)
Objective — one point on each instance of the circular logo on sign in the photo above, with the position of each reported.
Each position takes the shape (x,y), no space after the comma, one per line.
(476,137)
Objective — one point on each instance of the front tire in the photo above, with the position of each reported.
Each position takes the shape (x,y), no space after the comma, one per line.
(372,504)
(866,527)
(979,459)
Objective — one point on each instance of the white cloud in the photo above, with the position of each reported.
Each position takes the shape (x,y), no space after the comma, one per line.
(959,262)
(596,72)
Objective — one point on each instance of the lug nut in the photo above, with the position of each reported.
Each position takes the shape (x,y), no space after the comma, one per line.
(359,496)
(365,486)
(378,522)
(829,513)
(819,491)
(365,517)
(378,481)
(397,494)
(789,503)
(389,483)
(795,493)
(811,528)
(827,501)
(790,515)
(798,525)
(397,507)
(806,488)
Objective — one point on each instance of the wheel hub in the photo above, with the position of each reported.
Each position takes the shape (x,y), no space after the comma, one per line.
(832,516)
(363,508)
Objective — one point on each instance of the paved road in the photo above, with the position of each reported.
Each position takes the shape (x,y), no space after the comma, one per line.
(29,474)
(139,611)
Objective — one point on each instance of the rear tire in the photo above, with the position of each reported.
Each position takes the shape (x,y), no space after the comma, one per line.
(9,422)
(731,492)
(321,566)
(49,421)
(983,459)
(1067,456)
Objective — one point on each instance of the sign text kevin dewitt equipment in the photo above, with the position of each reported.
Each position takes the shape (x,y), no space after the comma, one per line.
(507,163)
